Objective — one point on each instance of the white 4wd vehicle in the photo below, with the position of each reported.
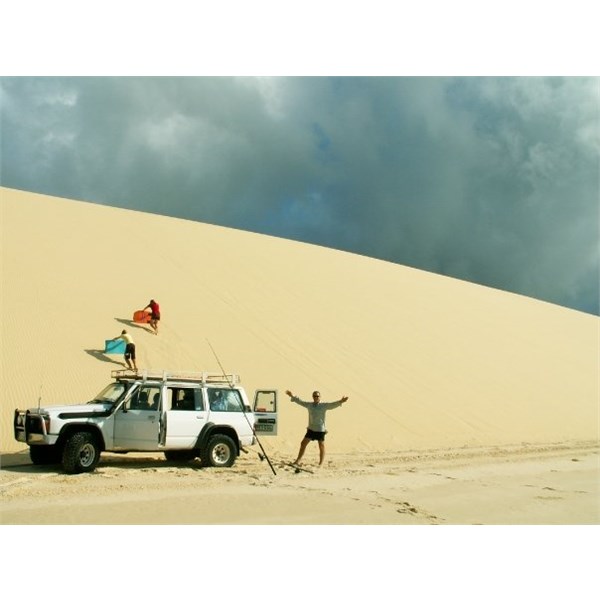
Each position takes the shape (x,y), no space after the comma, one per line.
(183,415)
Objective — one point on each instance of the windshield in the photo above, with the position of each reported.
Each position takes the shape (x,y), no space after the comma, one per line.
(111,393)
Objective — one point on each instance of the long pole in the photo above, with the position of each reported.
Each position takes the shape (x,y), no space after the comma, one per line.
(243,409)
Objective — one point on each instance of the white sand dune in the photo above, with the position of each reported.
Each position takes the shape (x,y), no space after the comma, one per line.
(428,362)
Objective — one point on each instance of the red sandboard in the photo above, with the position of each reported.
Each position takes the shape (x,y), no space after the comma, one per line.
(141,316)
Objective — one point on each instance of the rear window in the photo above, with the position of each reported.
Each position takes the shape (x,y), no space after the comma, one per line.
(225,400)
(184,398)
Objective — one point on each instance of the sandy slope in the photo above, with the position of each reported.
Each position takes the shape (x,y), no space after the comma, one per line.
(428,362)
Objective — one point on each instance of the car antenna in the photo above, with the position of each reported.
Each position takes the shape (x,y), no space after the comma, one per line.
(243,409)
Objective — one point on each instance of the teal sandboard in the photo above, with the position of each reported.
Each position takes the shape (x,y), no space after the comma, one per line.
(114,347)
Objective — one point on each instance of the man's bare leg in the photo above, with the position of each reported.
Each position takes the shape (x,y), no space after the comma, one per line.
(303,445)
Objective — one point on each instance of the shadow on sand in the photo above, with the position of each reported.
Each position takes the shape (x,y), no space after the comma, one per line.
(21,463)
(99,354)
(130,323)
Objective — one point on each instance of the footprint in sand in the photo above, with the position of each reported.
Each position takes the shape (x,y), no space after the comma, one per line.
(413,510)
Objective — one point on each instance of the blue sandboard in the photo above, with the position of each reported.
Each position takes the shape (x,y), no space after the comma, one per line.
(114,347)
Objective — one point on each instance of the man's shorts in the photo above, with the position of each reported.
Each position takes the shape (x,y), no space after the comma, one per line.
(130,351)
(156,316)
(318,436)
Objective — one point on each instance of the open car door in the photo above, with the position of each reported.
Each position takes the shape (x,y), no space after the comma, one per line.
(265,412)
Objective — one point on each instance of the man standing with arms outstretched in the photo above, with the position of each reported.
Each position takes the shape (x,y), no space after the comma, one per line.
(316,422)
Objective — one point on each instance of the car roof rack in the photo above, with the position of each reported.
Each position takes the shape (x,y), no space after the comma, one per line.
(196,376)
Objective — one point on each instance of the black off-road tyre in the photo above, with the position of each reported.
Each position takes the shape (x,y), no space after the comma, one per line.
(44,455)
(220,451)
(180,455)
(81,453)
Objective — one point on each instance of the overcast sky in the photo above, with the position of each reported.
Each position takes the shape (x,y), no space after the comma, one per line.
(490,180)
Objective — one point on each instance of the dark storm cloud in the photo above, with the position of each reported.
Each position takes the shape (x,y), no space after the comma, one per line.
(492,180)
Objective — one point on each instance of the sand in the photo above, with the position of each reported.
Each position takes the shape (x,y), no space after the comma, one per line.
(467,405)
(486,486)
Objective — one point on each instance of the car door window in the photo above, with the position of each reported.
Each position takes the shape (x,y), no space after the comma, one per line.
(184,399)
(144,398)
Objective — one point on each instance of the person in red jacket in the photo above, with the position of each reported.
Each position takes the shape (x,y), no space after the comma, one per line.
(155,317)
